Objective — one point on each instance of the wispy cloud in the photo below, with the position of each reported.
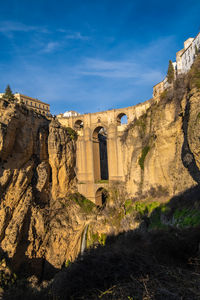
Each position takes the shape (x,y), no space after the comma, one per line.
(88,83)
(51,47)
(7,27)
(116,69)
(77,36)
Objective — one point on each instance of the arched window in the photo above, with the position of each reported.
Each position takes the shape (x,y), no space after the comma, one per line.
(78,124)
(122,119)
(101,197)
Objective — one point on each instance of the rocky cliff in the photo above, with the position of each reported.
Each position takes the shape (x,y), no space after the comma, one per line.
(161,148)
(42,217)
(37,159)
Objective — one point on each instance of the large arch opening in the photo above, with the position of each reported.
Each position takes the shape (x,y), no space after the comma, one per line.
(101,197)
(100,157)
(122,119)
(78,124)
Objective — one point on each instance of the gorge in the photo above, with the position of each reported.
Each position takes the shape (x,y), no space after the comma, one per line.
(43,215)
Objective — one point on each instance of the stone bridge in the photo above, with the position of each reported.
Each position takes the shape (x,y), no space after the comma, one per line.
(99,155)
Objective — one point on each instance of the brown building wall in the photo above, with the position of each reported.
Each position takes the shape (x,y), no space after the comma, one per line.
(35,104)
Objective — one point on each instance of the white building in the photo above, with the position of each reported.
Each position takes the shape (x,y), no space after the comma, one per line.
(71,113)
(184,60)
(186,56)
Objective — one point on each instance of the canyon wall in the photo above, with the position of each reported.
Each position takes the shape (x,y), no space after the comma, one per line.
(161,148)
(37,159)
(42,217)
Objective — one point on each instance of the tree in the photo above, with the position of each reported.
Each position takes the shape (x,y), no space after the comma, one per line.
(8,95)
(170,72)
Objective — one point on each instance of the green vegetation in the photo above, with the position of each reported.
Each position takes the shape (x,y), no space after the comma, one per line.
(85,204)
(8,95)
(145,208)
(102,181)
(139,208)
(198,116)
(72,133)
(129,208)
(96,238)
(145,151)
(186,218)
(68,263)
(181,218)
(194,74)
(170,72)
(141,124)
(155,218)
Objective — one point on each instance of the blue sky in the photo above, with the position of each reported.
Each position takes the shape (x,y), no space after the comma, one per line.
(91,55)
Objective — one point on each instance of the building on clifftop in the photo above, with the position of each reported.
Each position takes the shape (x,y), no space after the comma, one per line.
(184,60)
(32,103)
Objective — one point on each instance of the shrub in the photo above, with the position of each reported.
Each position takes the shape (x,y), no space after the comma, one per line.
(145,151)
(170,72)
(194,74)
(85,204)
(72,133)
(96,238)
(129,206)
(186,218)
(144,208)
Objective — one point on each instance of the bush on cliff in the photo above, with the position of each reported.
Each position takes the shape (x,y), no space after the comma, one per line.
(8,95)
(86,205)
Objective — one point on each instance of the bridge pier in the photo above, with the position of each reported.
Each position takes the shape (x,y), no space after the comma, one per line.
(88,169)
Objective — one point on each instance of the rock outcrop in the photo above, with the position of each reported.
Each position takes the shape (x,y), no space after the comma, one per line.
(161,148)
(37,159)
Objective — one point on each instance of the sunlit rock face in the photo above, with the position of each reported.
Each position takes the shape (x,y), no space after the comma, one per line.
(41,225)
(36,167)
(161,149)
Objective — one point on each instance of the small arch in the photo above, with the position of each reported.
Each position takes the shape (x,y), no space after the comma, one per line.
(78,124)
(122,119)
(101,197)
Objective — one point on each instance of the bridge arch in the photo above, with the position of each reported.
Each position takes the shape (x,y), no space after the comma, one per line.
(78,124)
(122,119)
(101,196)
(100,157)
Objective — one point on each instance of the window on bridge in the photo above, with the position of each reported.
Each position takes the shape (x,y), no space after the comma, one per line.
(100,157)
(78,124)
(101,197)
(122,119)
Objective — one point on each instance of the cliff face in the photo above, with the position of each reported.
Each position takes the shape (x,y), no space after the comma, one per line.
(37,160)
(41,226)
(161,148)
